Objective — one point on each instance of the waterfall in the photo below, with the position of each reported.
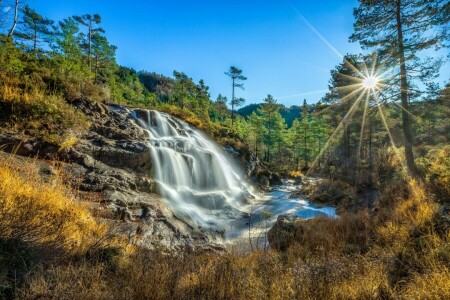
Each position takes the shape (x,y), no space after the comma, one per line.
(197,181)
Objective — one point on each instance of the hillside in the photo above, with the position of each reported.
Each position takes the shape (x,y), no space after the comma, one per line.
(289,114)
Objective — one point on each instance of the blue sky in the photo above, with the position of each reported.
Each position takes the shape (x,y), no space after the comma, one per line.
(269,40)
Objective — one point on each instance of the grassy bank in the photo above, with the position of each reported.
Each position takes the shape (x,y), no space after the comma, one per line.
(52,247)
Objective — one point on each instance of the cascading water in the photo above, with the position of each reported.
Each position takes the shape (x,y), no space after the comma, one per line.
(197,181)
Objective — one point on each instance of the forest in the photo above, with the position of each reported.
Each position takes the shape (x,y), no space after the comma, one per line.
(379,140)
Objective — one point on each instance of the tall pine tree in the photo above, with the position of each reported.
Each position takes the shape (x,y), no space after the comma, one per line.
(400,30)
(33,28)
(237,81)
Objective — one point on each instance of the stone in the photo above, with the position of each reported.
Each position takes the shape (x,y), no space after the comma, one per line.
(282,233)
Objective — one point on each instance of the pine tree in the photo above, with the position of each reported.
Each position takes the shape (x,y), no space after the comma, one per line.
(33,28)
(91,22)
(400,30)
(67,41)
(221,107)
(103,57)
(236,82)
(257,130)
(268,110)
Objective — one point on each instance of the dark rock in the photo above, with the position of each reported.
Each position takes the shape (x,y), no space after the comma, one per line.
(267,178)
(112,158)
(281,235)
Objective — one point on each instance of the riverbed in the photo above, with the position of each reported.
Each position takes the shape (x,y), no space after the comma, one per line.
(264,211)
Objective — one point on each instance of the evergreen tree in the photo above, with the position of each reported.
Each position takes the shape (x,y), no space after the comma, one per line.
(33,28)
(103,57)
(268,110)
(400,30)
(220,110)
(257,131)
(202,97)
(67,39)
(236,82)
(91,22)
(182,90)
(305,127)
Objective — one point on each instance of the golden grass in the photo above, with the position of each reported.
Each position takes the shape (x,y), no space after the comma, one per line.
(399,251)
(436,166)
(435,284)
(45,213)
(68,143)
(295,174)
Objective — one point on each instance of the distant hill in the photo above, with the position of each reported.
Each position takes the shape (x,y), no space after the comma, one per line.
(159,84)
(288,113)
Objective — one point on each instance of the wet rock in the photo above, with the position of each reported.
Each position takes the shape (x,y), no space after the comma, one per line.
(267,178)
(112,159)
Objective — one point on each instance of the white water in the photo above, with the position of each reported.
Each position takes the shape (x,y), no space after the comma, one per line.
(204,188)
(199,183)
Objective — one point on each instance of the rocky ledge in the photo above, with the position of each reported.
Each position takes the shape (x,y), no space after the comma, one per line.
(112,160)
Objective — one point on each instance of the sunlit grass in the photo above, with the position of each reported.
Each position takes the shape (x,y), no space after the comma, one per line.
(45,213)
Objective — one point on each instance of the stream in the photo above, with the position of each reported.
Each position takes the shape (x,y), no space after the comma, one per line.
(206,189)
(265,210)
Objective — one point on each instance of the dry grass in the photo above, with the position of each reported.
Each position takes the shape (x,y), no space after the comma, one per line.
(35,211)
(354,257)
(435,284)
(401,250)
(436,166)
(331,192)
(295,174)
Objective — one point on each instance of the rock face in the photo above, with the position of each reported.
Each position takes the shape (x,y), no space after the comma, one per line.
(112,159)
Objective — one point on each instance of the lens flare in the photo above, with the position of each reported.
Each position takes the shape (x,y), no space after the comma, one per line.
(370,82)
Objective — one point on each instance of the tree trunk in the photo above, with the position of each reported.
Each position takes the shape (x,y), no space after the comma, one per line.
(404,96)
(35,42)
(370,153)
(232,103)
(346,149)
(305,149)
(16,16)
(89,45)
(320,149)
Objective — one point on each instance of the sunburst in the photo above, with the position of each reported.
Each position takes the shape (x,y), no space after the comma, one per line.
(370,82)
(366,83)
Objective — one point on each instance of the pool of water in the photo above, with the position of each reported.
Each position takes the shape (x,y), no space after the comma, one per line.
(266,208)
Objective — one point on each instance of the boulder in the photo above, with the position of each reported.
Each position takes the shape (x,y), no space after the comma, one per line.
(282,233)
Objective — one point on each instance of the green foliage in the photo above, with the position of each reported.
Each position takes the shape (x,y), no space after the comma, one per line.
(33,29)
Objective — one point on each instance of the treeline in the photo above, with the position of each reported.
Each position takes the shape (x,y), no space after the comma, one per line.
(45,65)
(71,57)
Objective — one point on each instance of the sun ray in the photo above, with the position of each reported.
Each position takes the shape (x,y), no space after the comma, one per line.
(348,87)
(407,111)
(355,69)
(366,104)
(391,139)
(350,77)
(346,118)
(324,40)
(375,61)
(344,99)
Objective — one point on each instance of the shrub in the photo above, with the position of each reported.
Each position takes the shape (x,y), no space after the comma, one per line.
(436,166)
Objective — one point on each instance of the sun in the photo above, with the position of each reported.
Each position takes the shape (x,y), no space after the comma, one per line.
(370,82)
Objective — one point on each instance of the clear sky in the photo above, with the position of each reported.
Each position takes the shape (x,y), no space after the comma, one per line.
(278,52)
